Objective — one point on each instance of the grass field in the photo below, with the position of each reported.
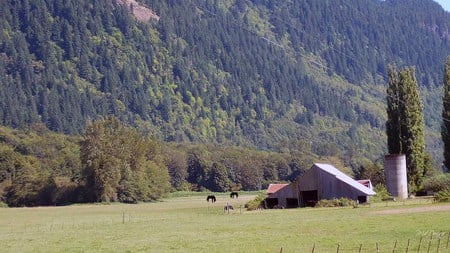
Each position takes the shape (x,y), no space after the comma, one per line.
(190,224)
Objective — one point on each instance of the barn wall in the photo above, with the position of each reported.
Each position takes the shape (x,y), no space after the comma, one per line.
(327,185)
(309,181)
(287,192)
(282,202)
(331,187)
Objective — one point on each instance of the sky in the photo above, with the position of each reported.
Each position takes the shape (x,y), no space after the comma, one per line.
(444,3)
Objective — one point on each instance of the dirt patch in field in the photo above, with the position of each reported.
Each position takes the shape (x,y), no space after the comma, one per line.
(421,209)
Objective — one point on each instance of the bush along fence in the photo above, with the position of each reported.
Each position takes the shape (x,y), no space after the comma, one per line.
(434,243)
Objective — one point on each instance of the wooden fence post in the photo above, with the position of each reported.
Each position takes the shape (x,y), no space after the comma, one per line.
(360,248)
(395,246)
(407,247)
(314,247)
(378,249)
(439,244)
(337,250)
(420,244)
(123,217)
(448,237)
(281,250)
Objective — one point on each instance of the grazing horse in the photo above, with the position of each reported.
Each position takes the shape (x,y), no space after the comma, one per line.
(212,198)
(227,208)
(233,195)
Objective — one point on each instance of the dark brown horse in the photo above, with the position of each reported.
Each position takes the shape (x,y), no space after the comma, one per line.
(234,195)
(212,198)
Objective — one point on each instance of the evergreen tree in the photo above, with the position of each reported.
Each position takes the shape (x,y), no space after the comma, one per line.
(197,76)
(408,138)
(445,131)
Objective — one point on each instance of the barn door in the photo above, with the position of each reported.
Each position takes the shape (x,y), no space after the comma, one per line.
(310,198)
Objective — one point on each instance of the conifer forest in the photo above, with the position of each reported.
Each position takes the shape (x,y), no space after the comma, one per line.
(120,100)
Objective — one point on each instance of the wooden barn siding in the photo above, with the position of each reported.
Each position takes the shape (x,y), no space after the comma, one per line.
(309,181)
(335,188)
(289,191)
(327,185)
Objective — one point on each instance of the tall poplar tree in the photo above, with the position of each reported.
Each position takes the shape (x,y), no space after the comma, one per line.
(405,126)
(393,113)
(445,131)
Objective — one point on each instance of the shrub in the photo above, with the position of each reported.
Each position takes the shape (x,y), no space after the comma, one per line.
(258,202)
(66,192)
(382,193)
(437,183)
(443,196)
(3,205)
(335,202)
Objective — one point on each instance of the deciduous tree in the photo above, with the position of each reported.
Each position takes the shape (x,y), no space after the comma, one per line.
(405,126)
(121,165)
(445,131)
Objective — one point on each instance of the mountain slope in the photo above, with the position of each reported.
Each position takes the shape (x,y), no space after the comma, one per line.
(257,73)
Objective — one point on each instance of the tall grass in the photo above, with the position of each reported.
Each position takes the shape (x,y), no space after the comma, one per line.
(190,224)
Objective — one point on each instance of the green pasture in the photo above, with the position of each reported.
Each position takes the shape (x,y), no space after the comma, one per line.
(187,223)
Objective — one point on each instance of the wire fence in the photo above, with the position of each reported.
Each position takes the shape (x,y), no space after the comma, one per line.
(430,241)
(436,242)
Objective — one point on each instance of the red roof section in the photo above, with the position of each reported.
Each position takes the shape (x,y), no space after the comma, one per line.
(275,187)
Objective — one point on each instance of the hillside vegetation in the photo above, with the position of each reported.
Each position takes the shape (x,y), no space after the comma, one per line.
(114,162)
(270,75)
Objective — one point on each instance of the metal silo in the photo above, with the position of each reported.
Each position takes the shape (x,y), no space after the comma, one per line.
(395,172)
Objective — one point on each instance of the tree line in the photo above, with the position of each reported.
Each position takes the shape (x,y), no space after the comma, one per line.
(116,162)
(229,74)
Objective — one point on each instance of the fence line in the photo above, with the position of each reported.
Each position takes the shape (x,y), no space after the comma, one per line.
(435,244)
(438,242)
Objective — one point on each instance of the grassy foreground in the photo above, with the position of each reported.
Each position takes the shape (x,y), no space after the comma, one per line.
(190,224)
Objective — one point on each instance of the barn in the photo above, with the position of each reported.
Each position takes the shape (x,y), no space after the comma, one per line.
(281,196)
(324,181)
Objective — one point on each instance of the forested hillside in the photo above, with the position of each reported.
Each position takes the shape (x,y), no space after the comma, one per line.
(115,162)
(264,74)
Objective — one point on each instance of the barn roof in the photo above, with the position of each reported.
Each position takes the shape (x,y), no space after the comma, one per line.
(365,182)
(275,187)
(343,177)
